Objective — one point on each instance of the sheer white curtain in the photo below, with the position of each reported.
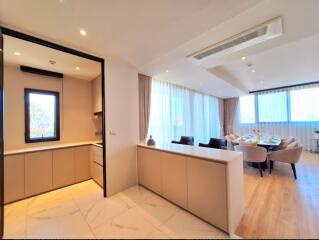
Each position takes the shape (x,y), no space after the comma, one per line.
(177,111)
(289,112)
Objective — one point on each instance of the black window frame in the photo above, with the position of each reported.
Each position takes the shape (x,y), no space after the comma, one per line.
(28,139)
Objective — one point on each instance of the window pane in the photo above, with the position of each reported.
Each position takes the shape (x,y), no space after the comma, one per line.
(272,107)
(42,115)
(304,105)
(247,109)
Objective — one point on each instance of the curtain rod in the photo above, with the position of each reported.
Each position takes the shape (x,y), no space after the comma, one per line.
(289,86)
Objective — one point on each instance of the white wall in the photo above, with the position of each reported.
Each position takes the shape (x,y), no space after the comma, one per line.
(76,114)
(122,120)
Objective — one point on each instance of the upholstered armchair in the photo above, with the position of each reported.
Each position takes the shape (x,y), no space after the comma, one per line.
(215,143)
(287,155)
(253,154)
(185,140)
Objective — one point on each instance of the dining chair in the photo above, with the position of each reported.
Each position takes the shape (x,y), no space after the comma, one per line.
(253,154)
(229,143)
(215,143)
(185,140)
(288,155)
(285,142)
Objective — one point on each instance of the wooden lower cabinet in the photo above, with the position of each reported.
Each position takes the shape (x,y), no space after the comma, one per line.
(149,172)
(38,172)
(82,169)
(97,174)
(29,174)
(13,177)
(174,178)
(96,164)
(63,167)
(202,186)
(207,191)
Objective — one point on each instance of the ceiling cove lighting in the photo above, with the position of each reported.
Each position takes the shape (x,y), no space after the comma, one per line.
(17,53)
(83,32)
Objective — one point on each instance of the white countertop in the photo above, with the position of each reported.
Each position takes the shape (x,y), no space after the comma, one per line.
(219,155)
(51,147)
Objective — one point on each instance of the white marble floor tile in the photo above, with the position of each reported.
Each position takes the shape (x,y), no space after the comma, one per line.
(71,225)
(129,224)
(185,225)
(17,208)
(156,209)
(135,195)
(157,234)
(104,210)
(80,211)
(15,225)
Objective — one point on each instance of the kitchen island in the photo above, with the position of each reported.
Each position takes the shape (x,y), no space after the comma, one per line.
(207,182)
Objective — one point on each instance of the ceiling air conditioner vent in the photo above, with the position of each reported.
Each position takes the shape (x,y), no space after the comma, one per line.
(248,38)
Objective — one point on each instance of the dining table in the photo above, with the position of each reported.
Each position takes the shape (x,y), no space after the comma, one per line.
(267,141)
(263,140)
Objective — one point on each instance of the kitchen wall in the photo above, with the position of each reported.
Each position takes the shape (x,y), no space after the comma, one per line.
(75,107)
(122,126)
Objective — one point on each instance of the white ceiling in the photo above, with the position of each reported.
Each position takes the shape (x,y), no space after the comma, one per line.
(156,35)
(37,56)
(294,63)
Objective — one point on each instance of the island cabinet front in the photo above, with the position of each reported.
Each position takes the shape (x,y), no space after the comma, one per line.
(174,179)
(207,191)
(149,173)
(196,184)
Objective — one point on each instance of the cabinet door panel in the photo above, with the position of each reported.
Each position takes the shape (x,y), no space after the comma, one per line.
(13,177)
(174,178)
(63,167)
(97,94)
(38,172)
(98,174)
(150,167)
(82,169)
(97,154)
(207,191)
(140,169)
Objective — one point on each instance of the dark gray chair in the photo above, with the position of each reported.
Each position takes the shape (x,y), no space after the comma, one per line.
(185,140)
(215,143)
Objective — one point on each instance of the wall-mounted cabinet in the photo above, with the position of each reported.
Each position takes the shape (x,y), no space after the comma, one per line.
(97,94)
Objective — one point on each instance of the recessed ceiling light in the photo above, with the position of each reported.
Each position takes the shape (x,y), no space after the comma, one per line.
(77,68)
(243,58)
(17,53)
(166,71)
(253,70)
(83,32)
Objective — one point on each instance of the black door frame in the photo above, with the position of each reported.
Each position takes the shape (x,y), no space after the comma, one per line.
(36,40)
(1,140)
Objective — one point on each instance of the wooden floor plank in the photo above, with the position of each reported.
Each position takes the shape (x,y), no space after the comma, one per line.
(277,206)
